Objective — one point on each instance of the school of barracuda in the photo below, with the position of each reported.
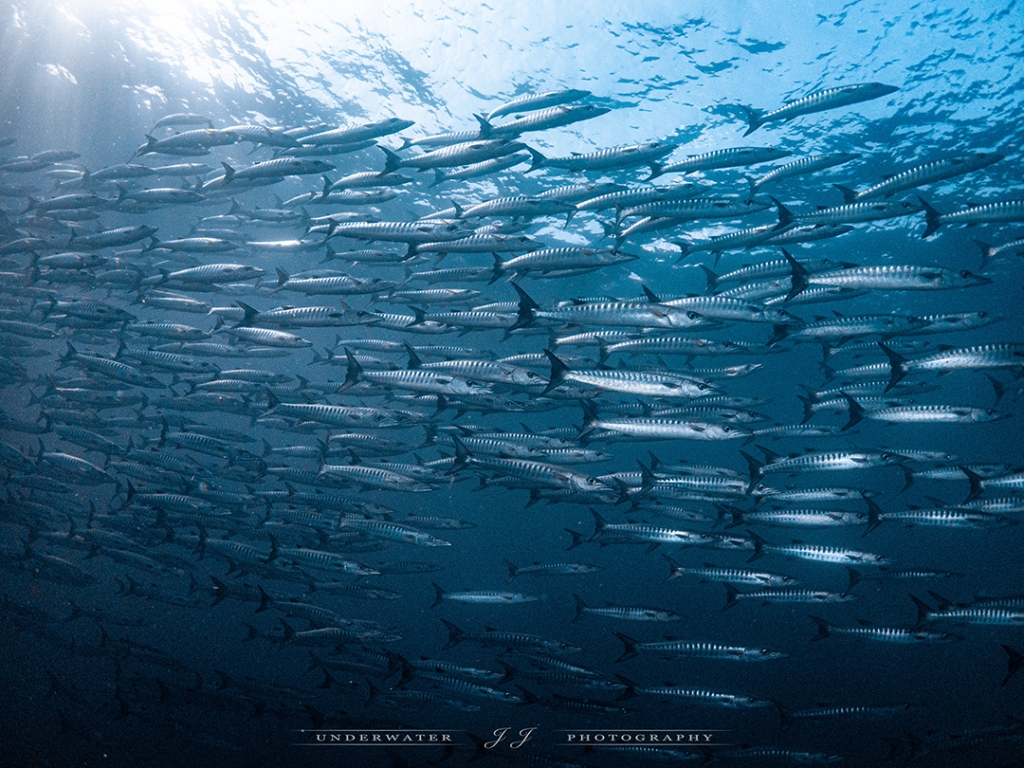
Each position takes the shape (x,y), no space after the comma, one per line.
(187,422)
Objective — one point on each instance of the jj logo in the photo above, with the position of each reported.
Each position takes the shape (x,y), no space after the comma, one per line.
(500,734)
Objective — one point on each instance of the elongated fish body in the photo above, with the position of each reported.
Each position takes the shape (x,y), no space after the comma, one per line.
(897,635)
(457,154)
(675,345)
(214,273)
(623,313)
(624,612)
(861,325)
(481,244)
(898,277)
(533,101)
(662,429)
(711,572)
(525,206)
(626,198)
(488,371)
(920,175)
(807,164)
(829,461)
(818,101)
(744,238)
(539,474)
(698,208)
(673,649)
(784,596)
(338,285)
(629,382)
(553,569)
(357,133)
(541,120)
(200,139)
(725,308)
(978,614)
(475,170)
(696,696)
(801,518)
(480,597)
(923,414)
(818,553)
(502,639)
(976,358)
(304,317)
(569,258)
(943,518)
(112,237)
(850,213)
(403,231)
(722,158)
(605,159)
(337,415)
(987,213)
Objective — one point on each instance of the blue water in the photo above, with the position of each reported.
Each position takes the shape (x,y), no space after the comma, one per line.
(94,78)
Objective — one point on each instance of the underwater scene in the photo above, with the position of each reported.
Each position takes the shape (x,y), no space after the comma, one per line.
(545,384)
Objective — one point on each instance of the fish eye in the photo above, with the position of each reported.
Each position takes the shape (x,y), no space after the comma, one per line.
(982,314)
(965,273)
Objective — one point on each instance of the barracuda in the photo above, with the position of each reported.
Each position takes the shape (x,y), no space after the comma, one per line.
(976,358)
(680,211)
(605,159)
(357,133)
(475,170)
(672,345)
(673,649)
(721,158)
(783,596)
(453,155)
(629,382)
(317,559)
(335,415)
(513,640)
(919,175)
(568,259)
(112,368)
(851,213)
(980,614)
(900,277)
(921,414)
(631,533)
(538,473)
(670,692)
(481,244)
(480,597)
(525,206)
(711,572)
(625,612)
(723,308)
(987,213)
(534,101)
(817,553)
(807,164)
(416,380)
(213,273)
(843,328)
(552,117)
(818,101)
(616,313)
(482,370)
